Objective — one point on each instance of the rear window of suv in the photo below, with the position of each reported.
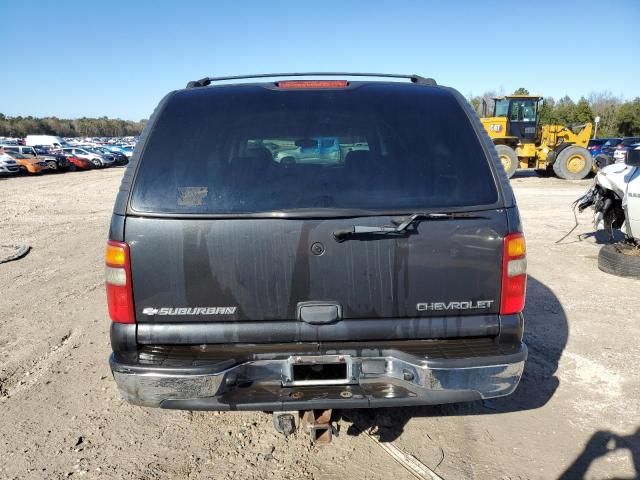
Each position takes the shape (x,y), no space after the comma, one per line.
(253,149)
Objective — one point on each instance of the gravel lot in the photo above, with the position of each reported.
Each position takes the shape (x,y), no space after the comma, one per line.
(577,409)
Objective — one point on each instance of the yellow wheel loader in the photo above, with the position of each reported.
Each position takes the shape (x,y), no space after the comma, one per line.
(521,142)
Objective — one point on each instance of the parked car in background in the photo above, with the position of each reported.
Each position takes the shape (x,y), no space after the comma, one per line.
(111,157)
(620,153)
(79,163)
(605,155)
(596,144)
(15,148)
(55,162)
(95,158)
(112,148)
(32,165)
(45,150)
(127,150)
(120,158)
(62,154)
(8,165)
(117,148)
(610,147)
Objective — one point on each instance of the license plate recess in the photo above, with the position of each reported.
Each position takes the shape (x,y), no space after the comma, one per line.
(318,370)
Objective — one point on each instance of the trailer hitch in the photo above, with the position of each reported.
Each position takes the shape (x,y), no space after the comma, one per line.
(318,424)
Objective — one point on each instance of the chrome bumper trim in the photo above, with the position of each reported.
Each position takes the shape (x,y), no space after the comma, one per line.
(375,381)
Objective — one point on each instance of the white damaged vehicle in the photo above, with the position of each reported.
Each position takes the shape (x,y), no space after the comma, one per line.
(615,199)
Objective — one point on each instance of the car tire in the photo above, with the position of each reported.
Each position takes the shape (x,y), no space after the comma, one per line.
(573,163)
(71,168)
(508,158)
(52,165)
(620,259)
(96,163)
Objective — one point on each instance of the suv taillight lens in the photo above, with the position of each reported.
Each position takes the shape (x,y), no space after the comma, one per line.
(514,274)
(118,281)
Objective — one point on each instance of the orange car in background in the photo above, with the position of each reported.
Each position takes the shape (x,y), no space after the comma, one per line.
(79,163)
(29,164)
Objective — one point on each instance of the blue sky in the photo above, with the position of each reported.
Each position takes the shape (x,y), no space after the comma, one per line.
(118,58)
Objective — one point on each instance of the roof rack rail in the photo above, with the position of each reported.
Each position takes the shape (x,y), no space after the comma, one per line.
(203,82)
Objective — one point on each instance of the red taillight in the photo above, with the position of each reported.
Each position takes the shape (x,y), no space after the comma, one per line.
(514,274)
(313,84)
(118,281)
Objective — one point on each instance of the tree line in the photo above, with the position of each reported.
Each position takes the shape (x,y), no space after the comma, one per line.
(618,118)
(20,127)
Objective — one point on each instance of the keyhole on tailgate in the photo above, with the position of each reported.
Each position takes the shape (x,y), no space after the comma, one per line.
(317,248)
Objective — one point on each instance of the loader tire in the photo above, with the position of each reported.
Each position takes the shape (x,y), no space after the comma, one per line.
(508,158)
(573,163)
(620,259)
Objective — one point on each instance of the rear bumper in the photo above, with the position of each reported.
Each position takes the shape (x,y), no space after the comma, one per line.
(395,379)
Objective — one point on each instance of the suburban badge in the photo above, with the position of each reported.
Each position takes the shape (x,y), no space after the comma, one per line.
(189,311)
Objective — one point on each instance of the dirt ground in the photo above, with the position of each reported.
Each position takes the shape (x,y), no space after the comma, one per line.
(577,409)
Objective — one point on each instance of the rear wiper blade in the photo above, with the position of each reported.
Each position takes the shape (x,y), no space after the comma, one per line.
(400,226)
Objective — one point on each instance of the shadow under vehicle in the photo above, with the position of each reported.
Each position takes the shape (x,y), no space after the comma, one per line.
(546,335)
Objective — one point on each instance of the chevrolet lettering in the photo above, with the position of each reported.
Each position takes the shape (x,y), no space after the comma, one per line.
(468,305)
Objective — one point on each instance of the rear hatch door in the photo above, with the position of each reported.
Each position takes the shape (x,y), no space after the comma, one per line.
(223,231)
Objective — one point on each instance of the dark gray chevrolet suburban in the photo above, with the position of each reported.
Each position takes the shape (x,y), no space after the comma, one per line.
(305,244)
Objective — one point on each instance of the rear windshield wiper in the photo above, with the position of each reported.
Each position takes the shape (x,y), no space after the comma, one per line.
(400,227)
